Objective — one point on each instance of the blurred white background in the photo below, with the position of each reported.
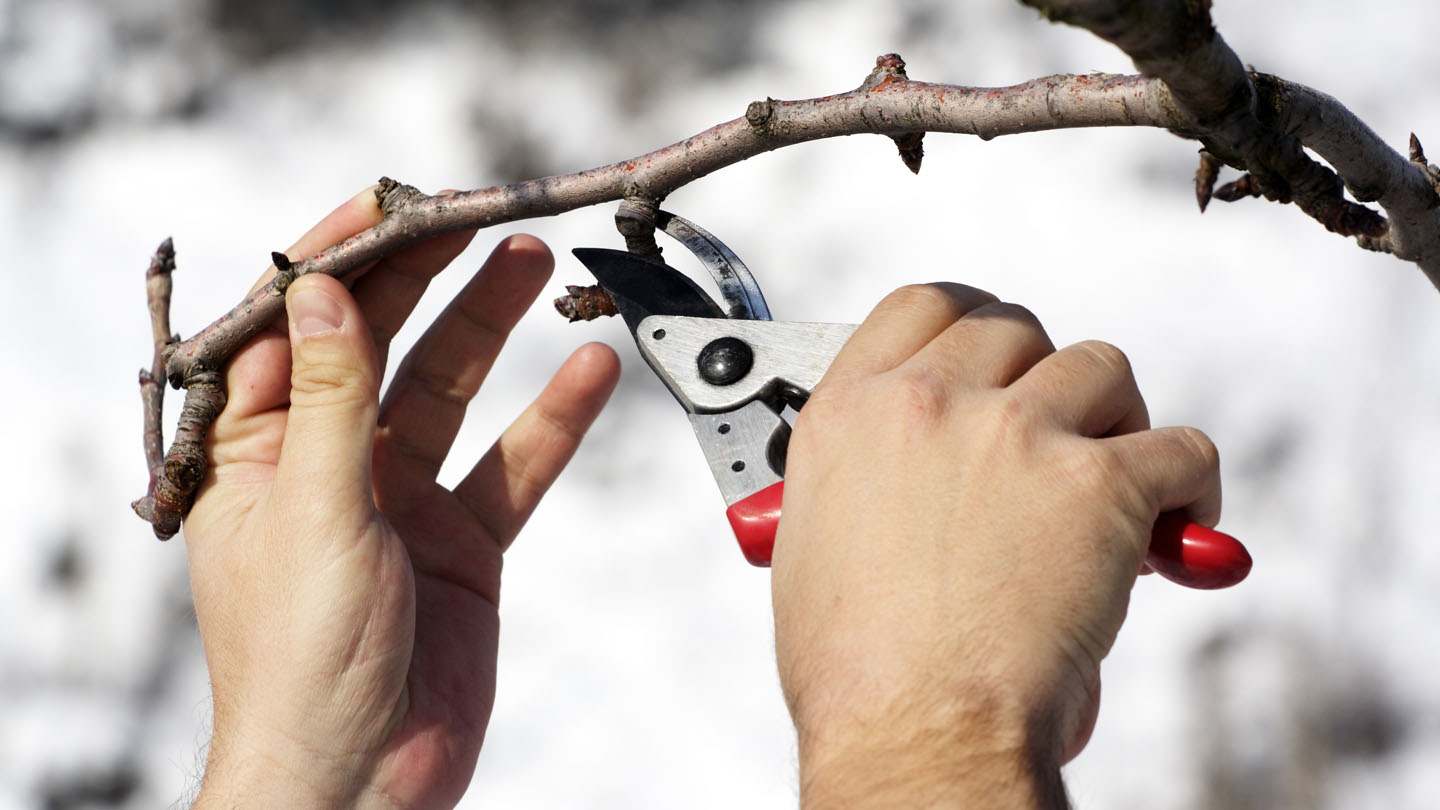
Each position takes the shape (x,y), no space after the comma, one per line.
(636,667)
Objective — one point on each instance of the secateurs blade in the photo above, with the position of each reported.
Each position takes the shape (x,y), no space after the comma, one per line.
(734,371)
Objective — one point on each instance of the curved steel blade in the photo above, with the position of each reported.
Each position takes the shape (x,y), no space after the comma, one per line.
(737,284)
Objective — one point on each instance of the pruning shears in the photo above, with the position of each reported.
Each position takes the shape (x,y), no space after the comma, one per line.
(735,370)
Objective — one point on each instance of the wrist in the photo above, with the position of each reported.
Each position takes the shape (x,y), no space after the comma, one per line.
(987,755)
(276,772)
(260,781)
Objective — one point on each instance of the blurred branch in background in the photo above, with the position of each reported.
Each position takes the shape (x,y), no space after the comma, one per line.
(67,66)
(1271,733)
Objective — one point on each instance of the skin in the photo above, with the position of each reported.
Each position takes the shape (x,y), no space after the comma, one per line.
(966,510)
(946,587)
(347,602)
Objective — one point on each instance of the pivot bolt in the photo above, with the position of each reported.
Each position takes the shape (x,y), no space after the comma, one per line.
(725,361)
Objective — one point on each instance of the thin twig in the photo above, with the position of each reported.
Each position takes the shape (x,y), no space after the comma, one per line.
(158,286)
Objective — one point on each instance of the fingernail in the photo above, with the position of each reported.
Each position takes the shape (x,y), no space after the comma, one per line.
(312,313)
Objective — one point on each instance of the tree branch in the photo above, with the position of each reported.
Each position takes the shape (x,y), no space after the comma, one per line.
(1405,188)
(1261,126)
(1195,87)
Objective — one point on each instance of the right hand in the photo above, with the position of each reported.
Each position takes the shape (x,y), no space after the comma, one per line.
(966,510)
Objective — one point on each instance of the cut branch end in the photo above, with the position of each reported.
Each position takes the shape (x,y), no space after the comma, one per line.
(585,303)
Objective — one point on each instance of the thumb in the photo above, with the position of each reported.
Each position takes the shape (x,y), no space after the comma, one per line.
(334,383)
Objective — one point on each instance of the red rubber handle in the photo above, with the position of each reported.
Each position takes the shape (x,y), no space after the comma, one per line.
(1195,556)
(1181,551)
(754,520)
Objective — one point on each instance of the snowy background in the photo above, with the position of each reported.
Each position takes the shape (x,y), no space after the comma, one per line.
(636,667)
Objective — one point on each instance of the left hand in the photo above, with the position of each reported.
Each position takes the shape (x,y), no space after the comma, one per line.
(347,601)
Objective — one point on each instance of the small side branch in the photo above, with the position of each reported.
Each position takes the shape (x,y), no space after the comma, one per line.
(158,286)
(184,467)
(174,476)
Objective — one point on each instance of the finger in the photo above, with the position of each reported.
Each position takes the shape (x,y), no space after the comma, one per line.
(389,291)
(330,427)
(426,402)
(1174,468)
(990,347)
(507,483)
(1090,389)
(904,322)
(351,217)
(257,378)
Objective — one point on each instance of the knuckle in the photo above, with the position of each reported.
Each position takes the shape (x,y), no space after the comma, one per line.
(1010,312)
(949,298)
(1106,356)
(446,388)
(1015,324)
(919,296)
(923,394)
(999,424)
(1200,447)
(327,381)
(826,408)
(1011,415)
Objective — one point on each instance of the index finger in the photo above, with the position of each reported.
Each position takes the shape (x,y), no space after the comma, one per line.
(257,378)
(1174,468)
(903,323)
(352,216)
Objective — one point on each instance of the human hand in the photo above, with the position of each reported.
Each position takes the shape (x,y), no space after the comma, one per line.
(966,510)
(346,601)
